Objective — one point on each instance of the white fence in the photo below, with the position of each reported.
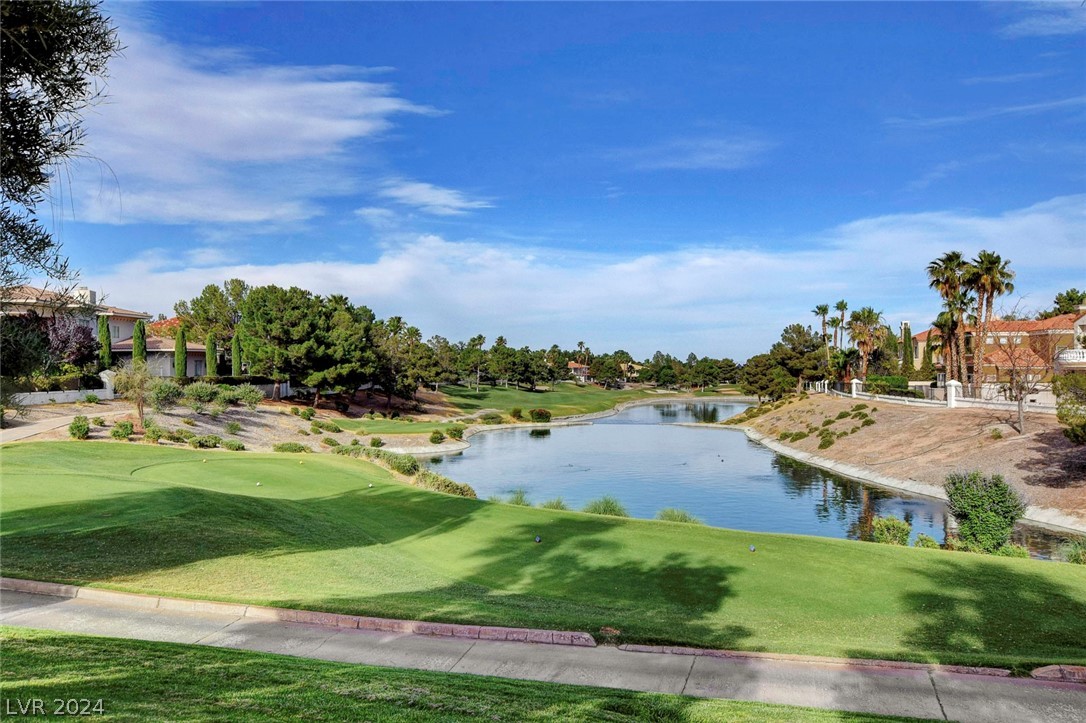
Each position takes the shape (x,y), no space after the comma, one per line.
(954,398)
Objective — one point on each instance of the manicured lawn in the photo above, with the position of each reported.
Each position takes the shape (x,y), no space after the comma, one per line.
(315,535)
(163,681)
(564,400)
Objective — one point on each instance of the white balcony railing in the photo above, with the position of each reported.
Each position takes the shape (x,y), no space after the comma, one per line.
(1071,356)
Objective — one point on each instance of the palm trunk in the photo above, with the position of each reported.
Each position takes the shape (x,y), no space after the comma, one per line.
(960,339)
(978,344)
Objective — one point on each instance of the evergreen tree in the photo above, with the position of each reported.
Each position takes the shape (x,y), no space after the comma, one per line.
(235,356)
(105,343)
(908,364)
(139,342)
(211,355)
(180,354)
(927,367)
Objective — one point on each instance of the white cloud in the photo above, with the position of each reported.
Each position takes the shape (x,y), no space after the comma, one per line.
(430,198)
(1047,18)
(714,300)
(379,218)
(724,153)
(988,113)
(1009,78)
(194,135)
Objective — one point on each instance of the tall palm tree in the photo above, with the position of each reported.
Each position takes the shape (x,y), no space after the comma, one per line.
(867,331)
(823,310)
(835,324)
(945,276)
(988,276)
(842,307)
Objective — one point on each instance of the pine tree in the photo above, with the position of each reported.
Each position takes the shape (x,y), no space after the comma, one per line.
(211,355)
(180,354)
(139,342)
(235,356)
(927,367)
(105,343)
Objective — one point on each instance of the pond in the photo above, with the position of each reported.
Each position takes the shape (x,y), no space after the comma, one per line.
(649,460)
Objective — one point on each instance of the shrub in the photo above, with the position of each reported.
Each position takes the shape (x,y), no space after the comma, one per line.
(826,443)
(292,447)
(886,382)
(200,392)
(320,425)
(90,398)
(330,442)
(516,413)
(456,431)
(927,541)
(152,434)
(226,394)
(996,434)
(519,496)
(315,428)
(165,393)
(436,437)
(842,433)
(79,428)
(828,422)
(99,421)
(858,407)
(234,445)
(1074,551)
(859,415)
(555,504)
(843,415)
(539,415)
(403,463)
(867,422)
(1076,433)
(1012,550)
(232,427)
(208,441)
(308,413)
(179,435)
(986,509)
(294,411)
(248,395)
(796,436)
(670,514)
(891,531)
(784,436)
(303,432)
(188,421)
(376,442)
(606,505)
(438,483)
(491,418)
(121,430)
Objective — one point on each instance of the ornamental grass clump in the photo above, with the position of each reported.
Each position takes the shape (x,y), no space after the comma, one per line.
(1074,551)
(986,509)
(519,496)
(606,505)
(291,447)
(671,514)
(556,504)
(926,541)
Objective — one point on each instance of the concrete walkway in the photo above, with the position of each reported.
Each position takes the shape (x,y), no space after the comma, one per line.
(920,693)
(25,431)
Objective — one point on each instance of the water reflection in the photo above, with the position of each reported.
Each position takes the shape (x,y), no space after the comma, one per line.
(539,433)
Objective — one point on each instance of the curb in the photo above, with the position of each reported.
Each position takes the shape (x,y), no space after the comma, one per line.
(1067,673)
(331,620)
(859,662)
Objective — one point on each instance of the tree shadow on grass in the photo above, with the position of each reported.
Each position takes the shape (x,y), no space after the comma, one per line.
(968,613)
(130,534)
(576,578)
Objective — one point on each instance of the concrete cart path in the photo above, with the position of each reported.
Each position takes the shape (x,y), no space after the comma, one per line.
(32,429)
(906,692)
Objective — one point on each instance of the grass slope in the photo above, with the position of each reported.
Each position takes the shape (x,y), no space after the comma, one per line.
(316,535)
(563,400)
(163,681)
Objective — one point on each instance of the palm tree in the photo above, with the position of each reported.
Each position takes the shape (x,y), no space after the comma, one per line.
(867,331)
(945,276)
(842,307)
(835,324)
(988,276)
(823,310)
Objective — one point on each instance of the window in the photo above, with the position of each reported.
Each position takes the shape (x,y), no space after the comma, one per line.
(115,331)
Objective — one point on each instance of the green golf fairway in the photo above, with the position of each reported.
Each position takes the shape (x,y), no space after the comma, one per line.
(314,534)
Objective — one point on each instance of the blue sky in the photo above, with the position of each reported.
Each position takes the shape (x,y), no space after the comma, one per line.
(683,177)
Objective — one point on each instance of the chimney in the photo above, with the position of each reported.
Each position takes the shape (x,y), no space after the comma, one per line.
(86,295)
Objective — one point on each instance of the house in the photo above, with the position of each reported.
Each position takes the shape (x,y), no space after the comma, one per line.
(630,370)
(1018,345)
(160,356)
(82,304)
(579,372)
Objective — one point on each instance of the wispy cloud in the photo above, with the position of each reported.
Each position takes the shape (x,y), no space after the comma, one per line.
(1009,78)
(1047,18)
(723,153)
(195,135)
(378,218)
(988,113)
(710,299)
(430,198)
